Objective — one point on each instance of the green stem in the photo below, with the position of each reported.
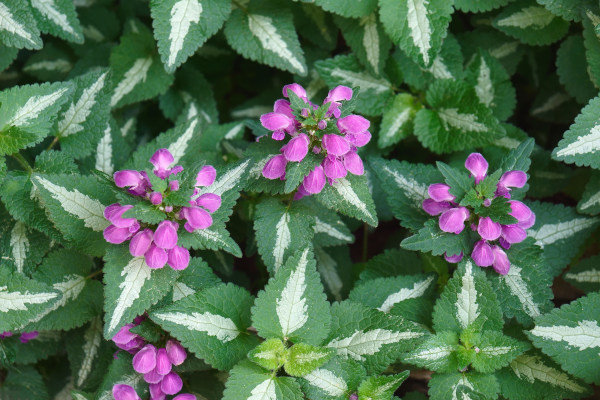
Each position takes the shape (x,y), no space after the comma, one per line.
(93,274)
(53,143)
(23,162)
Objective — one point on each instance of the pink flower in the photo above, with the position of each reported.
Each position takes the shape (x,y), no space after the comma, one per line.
(171,383)
(335,145)
(296,149)
(156,257)
(488,229)
(353,163)
(206,176)
(161,160)
(275,167)
(453,258)
(440,192)
(196,217)
(482,254)
(210,201)
(314,182)
(115,235)
(27,336)
(353,124)
(163,365)
(335,96)
(178,258)
(140,243)
(297,89)
(165,235)
(453,220)
(333,168)
(176,352)
(477,166)
(145,359)
(511,179)
(124,392)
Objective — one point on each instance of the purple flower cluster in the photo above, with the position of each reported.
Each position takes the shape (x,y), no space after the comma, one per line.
(159,245)
(312,133)
(24,338)
(493,236)
(155,364)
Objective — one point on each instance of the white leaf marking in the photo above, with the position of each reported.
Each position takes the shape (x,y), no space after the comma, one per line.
(551,103)
(420,30)
(18,301)
(181,290)
(507,142)
(34,107)
(518,287)
(439,69)
(104,153)
(414,190)
(417,290)
(328,269)
(495,350)
(262,27)
(19,245)
(330,230)
(136,74)
(463,381)
(251,112)
(213,325)
(233,132)
(78,112)
(91,32)
(9,24)
(504,49)
(467,122)
(531,369)
(50,11)
(327,381)
(227,181)
(283,239)
(551,233)
(399,120)
(183,14)
(362,343)
(432,354)
(370,40)
(584,336)
(92,339)
(484,88)
(344,188)
(91,211)
(135,274)
(467,309)
(179,147)
(58,65)
(65,392)
(536,17)
(593,200)
(583,144)
(589,276)
(291,307)
(309,357)
(361,79)
(264,391)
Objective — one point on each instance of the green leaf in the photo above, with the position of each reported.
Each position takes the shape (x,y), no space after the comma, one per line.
(345,70)
(58,17)
(381,387)
(24,299)
(591,42)
(131,287)
(572,69)
(590,200)
(532,376)
(24,382)
(296,171)
(495,350)
(293,306)
(432,238)
(303,358)
(479,5)
(28,112)
(7,55)
(197,276)
(397,121)
(368,41)
(457,120)
(531,23)
(281,231)
(581,142)
(75,204)
(121,372)
(212,323)
(182,26)
(332,264)
(329,229)
(259,154)
(249,381)
(350,196)
(458,180)
(585,275)
(48,343)
(518,158)
(83,124)
(49,64)
(500,46)
(570,10)
(19,28)
(570,336)
(369,336)
(270,354)
(560,232)
(137,71)
(437,353)
(335,380)
(22,248)
(352,10)
(265,33)
(468,300)
(418,27)
(458,385)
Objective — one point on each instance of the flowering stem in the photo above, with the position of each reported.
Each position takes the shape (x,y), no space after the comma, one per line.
(23,162)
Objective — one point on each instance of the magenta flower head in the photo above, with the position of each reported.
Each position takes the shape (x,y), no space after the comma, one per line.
(434,208)
(165,235)
(171,383)
(5,334)
(333,168)
(511,179)
(488,229)
(136,181)
(145,359)
(314,182)
(296,149)
(156,198)
(335,145)
(115,235)
(185,396)
(163,365)
(335,96)
(275,167)
(153,376)
(477,166)
(440,192)
(178,258)
(353,163)
(124,336)
(501,263)
(27,336)
(353,124)
(453,259)
(206,176)
(140,243)
(453,220)
(196,217)
(156,392)
(124,392)
(482,254)
(297,89)
(210,201)
(276,121)
(176,352)
(155,257)
(161,160)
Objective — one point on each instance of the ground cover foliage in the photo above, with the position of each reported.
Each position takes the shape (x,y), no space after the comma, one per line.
(268,199)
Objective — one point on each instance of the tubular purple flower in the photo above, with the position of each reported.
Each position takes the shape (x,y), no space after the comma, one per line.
(145,359)
(176,352)
(434,208)
(528,223)
(296,88)
(482,254)
(185,396)
(333,168)
(210,201)
(124,392)
(206,176)
(156,198)
(359,140)
(197,218)
(171,383)
(440,192)
(477,166)
(519,210)
(156,257)
(153,376)
(488,229)
(128,178)
(510,179)
(453,258)
(353,163)
(174,186)
(353,124)
(278,135)
(140,243)
(115,235)
(179,258)
(282,106)
(5,334)
(296,149)
(161,160)
(336,145)
(165,235)
(156,392)
(322,124)
(501,262)
(335,96)
(275,167)
(276,121)
(163,365)
(115,216)
(314,182)
(27,336)
(124,336)
(453,220)
(513,233)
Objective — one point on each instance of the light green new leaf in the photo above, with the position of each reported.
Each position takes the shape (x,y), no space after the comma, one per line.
(58,18)
(463,386)
(437,353)
(131,287)
(585,275)
(303,359)
(417,26)
(381,387)
(335,380)
(265,33)
(571,336)
(468,300)
(248,381)
(181,26)
(495,350)
(270,354)
(293,306)
(18,27)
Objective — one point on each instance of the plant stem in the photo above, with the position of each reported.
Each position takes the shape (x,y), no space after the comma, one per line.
(54,141)
(23,162)
(93,274)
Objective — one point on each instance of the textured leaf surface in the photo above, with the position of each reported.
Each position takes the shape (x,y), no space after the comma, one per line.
(58,17)
(381,387)
(335,380)
(496,351)
(463,386)
(397,121)
(585,275)
(18,27)
(251,382)
(437,353)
